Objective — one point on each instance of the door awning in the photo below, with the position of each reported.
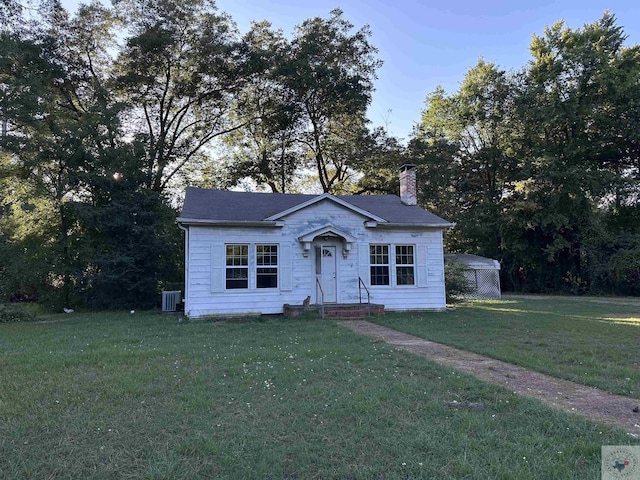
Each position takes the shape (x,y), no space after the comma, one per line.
(327,231)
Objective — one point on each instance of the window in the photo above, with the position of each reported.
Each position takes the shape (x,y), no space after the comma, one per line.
(404,265)
(382,262)
(267,266)
(379,261)
(237,266)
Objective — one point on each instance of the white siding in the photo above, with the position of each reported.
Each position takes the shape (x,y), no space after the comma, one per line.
(206,293)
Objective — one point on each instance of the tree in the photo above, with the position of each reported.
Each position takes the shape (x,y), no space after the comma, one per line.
(575,156)
(540,168)
(54,108)
(266,149)
(129,243)
(179,73)
(330,73)
(464,145)
(307,111)
(65,150)
(378,160)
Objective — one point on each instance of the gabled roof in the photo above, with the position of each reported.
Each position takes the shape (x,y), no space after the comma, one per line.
(320,198)
(224,207)
(472,261)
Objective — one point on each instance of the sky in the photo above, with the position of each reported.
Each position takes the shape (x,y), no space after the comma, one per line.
(425,44)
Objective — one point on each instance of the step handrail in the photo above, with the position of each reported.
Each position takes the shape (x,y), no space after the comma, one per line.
(321,296)
(361,284)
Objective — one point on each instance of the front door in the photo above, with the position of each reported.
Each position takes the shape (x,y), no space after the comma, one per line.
(326,273)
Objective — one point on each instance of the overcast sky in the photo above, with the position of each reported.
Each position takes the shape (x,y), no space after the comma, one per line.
(428,43)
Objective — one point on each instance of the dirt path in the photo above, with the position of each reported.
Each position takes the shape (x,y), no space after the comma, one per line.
(568,396)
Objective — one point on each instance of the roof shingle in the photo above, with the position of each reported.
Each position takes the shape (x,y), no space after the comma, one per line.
(225,206)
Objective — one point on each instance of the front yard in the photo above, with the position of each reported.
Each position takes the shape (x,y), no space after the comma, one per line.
(589,340)
(110,395)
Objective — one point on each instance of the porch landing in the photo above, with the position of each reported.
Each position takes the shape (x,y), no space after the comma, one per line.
(336,310)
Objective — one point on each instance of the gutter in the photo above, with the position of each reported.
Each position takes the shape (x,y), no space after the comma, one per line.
(231,223)
(186,266)
(409,225)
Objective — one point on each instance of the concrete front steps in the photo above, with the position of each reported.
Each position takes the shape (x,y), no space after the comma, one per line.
(336,310)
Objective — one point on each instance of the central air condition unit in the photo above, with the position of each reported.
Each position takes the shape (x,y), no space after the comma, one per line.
(170,300)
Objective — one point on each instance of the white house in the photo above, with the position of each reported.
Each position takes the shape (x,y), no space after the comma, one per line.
(255,252)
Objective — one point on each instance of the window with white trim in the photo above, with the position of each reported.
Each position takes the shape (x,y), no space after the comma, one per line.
(397,259)
(405,265)
(266,266)
(379,264)
(237,267)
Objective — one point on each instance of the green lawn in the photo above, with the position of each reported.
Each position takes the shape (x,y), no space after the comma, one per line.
(139,396)
(592,341)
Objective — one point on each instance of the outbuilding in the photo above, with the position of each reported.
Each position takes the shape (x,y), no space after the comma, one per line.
(481,273)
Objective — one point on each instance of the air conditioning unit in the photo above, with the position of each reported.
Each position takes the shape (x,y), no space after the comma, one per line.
(170,300)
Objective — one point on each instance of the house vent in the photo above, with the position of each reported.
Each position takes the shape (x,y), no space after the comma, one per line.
(170,300)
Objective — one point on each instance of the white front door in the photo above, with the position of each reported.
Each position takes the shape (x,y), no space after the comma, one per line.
(326,273)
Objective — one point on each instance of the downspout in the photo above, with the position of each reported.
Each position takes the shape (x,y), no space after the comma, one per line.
(186,266)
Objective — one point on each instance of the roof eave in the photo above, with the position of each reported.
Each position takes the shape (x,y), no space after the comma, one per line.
(229,223)
(409,225)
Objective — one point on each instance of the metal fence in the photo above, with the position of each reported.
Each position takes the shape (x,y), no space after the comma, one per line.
(485,284)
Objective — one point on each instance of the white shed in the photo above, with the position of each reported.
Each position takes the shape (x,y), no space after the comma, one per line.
(255,252)
(482,273)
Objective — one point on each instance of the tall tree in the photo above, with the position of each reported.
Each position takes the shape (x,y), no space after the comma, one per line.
(464,143)
(179,72)
(578,154)
(66,154)
(310,104)
(330,73)
(55,110)
(266,149)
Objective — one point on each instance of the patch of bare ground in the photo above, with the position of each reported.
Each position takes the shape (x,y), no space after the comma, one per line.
(588,402)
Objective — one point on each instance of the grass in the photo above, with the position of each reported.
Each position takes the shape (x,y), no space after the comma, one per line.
(99,396)
(586,340)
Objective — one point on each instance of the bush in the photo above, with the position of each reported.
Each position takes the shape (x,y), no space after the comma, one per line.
(456,284)
(14,313)
(614,265)
(625,271)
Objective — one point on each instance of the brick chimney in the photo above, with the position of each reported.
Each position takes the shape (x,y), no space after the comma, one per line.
(408,193)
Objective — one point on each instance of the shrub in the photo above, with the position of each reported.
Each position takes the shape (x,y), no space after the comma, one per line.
(14,313)
(456,284)
(625,271)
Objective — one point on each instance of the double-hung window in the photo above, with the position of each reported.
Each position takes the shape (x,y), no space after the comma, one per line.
(267,266)
(237,266)
(405,265)
(382,262)
(251,266)
(379,262)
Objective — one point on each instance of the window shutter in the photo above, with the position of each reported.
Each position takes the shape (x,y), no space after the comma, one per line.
(217,267)
(421,267)
(363,262)
(286,280)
